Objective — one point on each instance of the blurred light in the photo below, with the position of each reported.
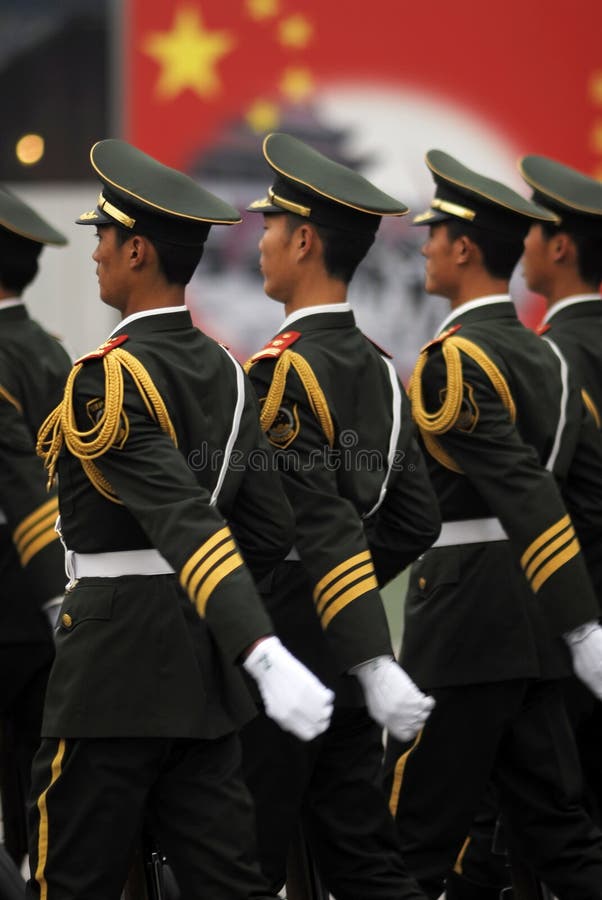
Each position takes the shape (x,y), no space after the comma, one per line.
(30,149)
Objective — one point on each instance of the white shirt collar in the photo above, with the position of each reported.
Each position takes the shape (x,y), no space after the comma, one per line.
(312,310)
(570,301)
(163,310)
(473,304)
(11,301)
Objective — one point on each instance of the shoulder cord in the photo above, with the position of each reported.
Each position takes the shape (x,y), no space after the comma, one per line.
(315,394)
(60,426)
(446,416)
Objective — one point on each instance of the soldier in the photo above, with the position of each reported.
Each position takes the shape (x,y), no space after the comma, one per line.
(144,697)
(33,370)
(498,606)
(563,263)
(339,420)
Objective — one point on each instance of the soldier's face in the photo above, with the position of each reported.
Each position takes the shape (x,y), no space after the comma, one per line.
(440,271)
(275,257)
(111,269)
(536,260)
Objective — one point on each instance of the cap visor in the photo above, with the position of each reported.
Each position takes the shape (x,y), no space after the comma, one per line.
(264,205)
(430,217)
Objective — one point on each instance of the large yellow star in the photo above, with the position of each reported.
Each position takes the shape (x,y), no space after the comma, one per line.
(188,55)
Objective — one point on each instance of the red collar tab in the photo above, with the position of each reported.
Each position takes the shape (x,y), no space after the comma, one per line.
(103,349)
(277,345)
(441,337)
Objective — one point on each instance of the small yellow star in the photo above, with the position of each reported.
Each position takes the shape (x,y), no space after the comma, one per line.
(188,55)
(595,87)
(297,84)
(262,9)
(295,31)
(263,115)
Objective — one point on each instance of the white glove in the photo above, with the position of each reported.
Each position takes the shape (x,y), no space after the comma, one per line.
(392,698)
(585,644)
(292,695)
(52,609)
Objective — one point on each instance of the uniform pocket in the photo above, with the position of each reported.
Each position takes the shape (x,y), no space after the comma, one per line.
(436,569)
(86,603)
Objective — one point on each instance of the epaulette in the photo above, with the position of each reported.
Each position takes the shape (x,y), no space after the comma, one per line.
(441,337)
(541,329)
(276,346)
(380,349)
(103,349)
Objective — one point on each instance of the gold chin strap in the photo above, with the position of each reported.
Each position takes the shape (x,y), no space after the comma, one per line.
(444,419)
(315,395)
(60,426)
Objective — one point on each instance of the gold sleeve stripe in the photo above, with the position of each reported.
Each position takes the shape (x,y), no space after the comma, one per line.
(27,537)
(47,537)
(549,550)
(554,564)
(591,406)
(209,562)
(343,600)
(543,538)
(39,513)
(339,570)
(211,582)
(343,582)
(199,554)
(398,774)
(56,767)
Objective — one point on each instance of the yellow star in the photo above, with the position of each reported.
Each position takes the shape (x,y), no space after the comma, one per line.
(187,55)
(595,87)
(296,84)
(263,116)
(295,32)
(597,138)
(262,9)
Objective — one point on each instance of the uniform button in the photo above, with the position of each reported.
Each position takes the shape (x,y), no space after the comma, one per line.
(422,583)
(66,620)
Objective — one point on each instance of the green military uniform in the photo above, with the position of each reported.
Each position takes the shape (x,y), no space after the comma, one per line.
(158,506)
(500,420)
(33,369)
(574,324)
(340,423)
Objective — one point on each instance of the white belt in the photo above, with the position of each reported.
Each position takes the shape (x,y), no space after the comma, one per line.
(470,531)
(116,564)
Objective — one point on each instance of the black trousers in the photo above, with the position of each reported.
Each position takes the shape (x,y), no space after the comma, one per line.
(333,786)
(24,670)
(89,798)
(516,733)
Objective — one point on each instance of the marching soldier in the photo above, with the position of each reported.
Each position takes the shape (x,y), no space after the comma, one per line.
(563,263)
(145,694)
(33,370)
(339,421)
(498,606)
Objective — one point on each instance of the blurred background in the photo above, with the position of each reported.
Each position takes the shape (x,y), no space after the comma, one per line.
(198,83)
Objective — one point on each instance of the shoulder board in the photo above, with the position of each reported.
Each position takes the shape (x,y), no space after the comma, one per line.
(441,337)
(380,349)
(103,349)
(541,329)
(277,345)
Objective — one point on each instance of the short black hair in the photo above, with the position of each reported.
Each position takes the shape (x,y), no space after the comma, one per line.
(589,250)
(343,250)
(501,251)
(18,261)
(176,262)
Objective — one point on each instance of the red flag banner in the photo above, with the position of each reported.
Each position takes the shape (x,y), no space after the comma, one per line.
(372,84)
